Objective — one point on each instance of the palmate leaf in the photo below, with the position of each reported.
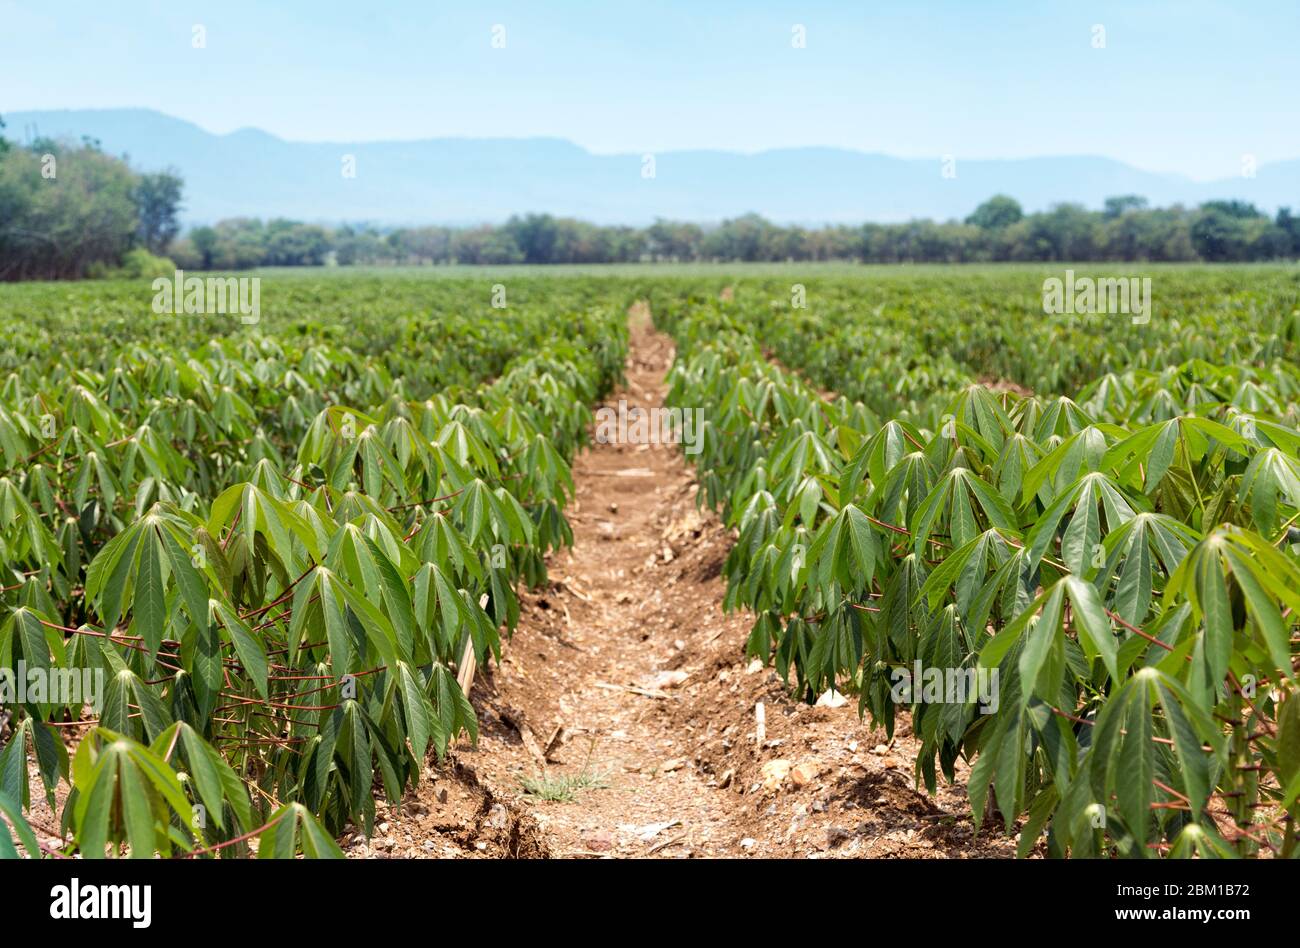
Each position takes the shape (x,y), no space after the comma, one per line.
(467,447)
(1123,753)
(438,541)
(1230,564)
(518,525)
(1042,637)
(440,611)
(292,830)
(192,583)
(379,469)
(124,793)
(844,551)
(879,455)
(481,630)
(1135,767)
(1061,468)
(24,629)
(125,691)
(356,756)
(26,537)
(1061,417)
(1040,811)
(977,409)
(326,442)
(49,752)
(215,781)
(486,516)
(361,562)
(806,454)
(1019,456)
(1155,448)
(779,576)
(149,607)
(1005,594)
(807,502)
(1201,841)
(1136,554)
(260,513)
(1271,479)
(964,571)
(94,473)
(897,497)
(109,575)
(1270,433)
(1096,507)
(545,469)
(453,712)
(322,603)
(953,502)
(139,565)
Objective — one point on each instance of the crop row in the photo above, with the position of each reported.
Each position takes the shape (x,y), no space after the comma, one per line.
(276,556)
(1093,603)
(905,343)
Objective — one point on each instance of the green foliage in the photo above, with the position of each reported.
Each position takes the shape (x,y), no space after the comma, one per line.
(16,831)
(562,788)
(68,212)
(140,264)
(999,211)
(998,230)
(275,551)
(1123,561)
(158,200)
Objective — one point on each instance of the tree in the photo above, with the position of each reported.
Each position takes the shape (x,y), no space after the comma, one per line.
(1242,210)
(1290,225)
(1219,231)
(421,244)
(996,213)
(485,245)
(1119,206)
(205,244)
(62,226)
(745,238)
(671,240)
(157,201)
(292,244)
(535,235)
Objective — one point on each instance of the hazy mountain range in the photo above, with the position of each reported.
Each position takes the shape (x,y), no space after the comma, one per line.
(460,180)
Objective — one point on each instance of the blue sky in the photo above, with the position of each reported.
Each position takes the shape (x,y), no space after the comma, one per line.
(1187,86)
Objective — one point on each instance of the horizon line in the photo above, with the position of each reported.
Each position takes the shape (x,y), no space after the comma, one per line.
(743,153)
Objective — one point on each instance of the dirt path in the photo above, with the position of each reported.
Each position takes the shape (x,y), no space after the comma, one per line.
(624,613)
(621,720)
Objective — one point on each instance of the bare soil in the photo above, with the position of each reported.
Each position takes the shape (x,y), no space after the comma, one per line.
(626,679)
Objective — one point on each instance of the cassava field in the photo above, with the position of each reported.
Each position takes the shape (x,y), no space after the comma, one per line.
(927,572)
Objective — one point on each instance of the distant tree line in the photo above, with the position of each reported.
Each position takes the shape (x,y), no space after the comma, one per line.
(245,242)
(1125,229)
(70,210)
